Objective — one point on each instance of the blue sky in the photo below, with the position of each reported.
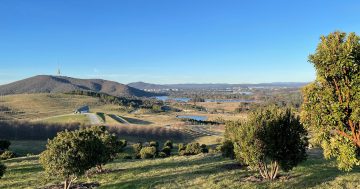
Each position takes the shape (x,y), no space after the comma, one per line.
(168,41)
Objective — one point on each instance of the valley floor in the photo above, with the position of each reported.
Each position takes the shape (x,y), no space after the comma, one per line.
(201,171)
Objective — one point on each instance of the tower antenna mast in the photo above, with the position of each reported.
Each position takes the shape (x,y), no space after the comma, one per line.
(58,70)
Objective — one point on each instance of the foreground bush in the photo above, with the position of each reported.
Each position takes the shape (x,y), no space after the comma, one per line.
(2,170)
(269,140)
(148,152)
(331,108)
(7,155)
(110,149)
(70,154)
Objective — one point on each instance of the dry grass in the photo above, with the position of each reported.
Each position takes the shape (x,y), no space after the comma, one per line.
(72,118)
(38,106)
(200,171)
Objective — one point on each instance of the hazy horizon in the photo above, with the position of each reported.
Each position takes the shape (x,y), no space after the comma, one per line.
(185,83)
(166,42)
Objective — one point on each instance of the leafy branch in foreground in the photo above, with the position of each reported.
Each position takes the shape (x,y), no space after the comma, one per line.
(331,108)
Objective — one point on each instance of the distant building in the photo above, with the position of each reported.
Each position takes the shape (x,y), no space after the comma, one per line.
(83,109)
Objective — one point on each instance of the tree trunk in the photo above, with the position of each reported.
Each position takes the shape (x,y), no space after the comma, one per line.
(99,169)
(269,172)
(66,184)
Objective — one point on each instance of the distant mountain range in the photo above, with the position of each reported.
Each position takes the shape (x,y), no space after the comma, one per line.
(62,84)
(149,86)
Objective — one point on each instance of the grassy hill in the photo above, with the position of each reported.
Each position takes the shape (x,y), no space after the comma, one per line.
(81,118)
(200,171)
(62,84)
(39,106)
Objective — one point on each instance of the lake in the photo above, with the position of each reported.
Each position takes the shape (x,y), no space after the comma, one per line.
(194,117)
(165,98)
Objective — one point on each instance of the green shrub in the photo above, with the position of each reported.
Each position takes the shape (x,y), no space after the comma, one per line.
(2,170)
(122,144)
(169,143)
(191,149)
(7,155)
(4,144)
(163,155)
(166,150)
(154,144)
(70,154)
(227,149)
(270,139)
(137,148)
(204,148)
(111,146)
(148,152)
(181,147)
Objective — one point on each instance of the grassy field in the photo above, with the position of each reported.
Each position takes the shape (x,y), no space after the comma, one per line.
(40,106)
(200,171)
(24,147)
(71,118)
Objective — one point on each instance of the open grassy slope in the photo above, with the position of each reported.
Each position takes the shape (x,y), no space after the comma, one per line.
(71,118)
(201,171)
(39,106)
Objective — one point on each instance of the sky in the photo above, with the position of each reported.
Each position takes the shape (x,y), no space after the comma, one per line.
(168,41)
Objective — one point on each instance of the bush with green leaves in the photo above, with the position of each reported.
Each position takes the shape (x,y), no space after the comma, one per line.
(122,144)
(111,146)
(162,155)
(137,148)
(70,154)
(166,150)
(4,145)
(270,139)
(148,152)
(192,149)
(331,108)
(227,149)
(7,155)
(181,147)
(2,170)
(169,143)
(204,148)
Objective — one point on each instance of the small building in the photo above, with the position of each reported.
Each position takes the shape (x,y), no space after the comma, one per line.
(83,109)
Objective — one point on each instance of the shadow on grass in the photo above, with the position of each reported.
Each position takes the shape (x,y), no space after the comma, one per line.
(170,178)
(183,171)
(137,121)
(317,171)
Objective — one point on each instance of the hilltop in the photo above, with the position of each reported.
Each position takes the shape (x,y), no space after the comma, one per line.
(63,84)
(148,86)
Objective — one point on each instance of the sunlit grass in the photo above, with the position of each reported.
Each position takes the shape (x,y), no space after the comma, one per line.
(201,171)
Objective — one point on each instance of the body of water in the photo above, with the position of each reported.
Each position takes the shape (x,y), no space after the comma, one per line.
(165,98)
(194,117)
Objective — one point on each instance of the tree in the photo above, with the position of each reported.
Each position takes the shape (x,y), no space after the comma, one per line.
(270,139)
(70,154)
(331,108)
(2,170)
